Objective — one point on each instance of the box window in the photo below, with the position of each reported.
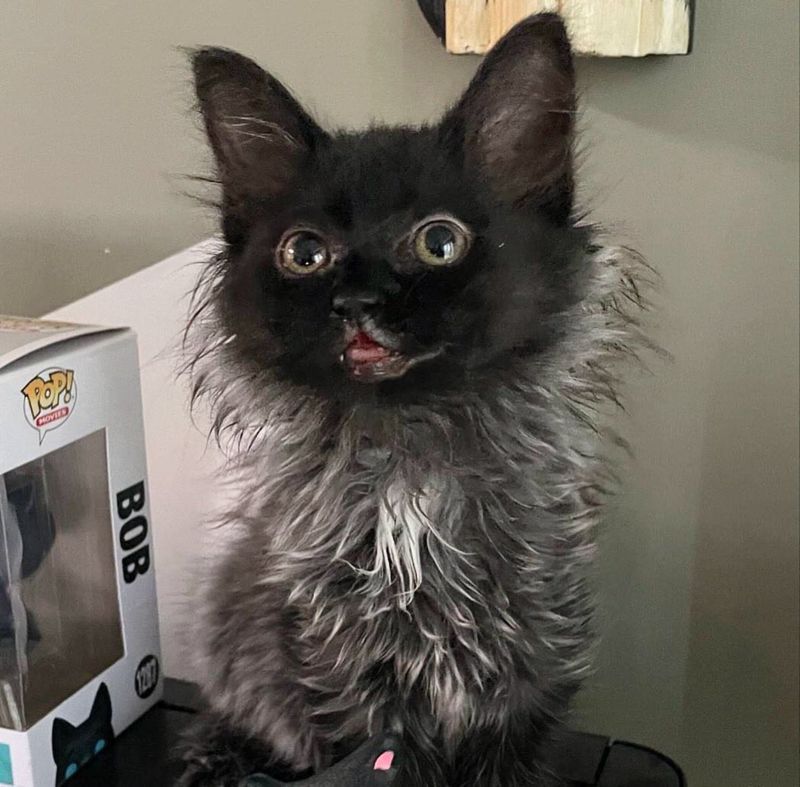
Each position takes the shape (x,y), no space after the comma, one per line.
(59,613)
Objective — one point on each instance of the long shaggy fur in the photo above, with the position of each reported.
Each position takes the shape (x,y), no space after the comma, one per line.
(410,554)
(428,573)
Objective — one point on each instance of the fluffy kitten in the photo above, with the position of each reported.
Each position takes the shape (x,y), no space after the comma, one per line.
(404,344)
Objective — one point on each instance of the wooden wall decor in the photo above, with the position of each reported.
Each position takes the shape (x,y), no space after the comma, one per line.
(607,28)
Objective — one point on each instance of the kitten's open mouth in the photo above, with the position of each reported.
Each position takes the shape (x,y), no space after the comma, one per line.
(372,354)
(367,360)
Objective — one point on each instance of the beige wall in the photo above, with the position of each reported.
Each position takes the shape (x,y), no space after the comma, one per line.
(696,157)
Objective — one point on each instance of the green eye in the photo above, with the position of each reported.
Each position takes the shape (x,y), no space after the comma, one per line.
(441,242)
(303,252)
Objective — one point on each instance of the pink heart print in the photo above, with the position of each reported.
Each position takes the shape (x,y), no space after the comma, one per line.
(384,762)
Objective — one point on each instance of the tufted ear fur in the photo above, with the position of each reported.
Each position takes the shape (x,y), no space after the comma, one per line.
(260,135)
(515,122)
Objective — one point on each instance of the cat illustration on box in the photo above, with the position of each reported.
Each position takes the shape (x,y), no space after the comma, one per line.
(405,343)
(74,746)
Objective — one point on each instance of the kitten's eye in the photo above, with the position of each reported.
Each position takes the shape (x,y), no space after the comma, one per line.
(441,242)
(70,770)
(302,252)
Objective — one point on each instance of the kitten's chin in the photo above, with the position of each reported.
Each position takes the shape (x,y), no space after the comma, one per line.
(392,367)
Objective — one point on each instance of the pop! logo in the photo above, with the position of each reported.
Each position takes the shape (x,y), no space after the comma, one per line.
(50,398)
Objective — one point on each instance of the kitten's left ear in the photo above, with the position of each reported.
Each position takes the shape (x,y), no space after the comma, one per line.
(101,707)
(259,133)
(515,122)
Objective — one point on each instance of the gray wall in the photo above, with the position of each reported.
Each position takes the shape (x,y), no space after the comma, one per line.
(694,158)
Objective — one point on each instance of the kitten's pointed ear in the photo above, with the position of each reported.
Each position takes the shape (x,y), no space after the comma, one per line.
(61,735)
(515,122)
(101,707)
(259,134)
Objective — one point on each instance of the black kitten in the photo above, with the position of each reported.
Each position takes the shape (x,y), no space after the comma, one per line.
(74,746)
(406,337)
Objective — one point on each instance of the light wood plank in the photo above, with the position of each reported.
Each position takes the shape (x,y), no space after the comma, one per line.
(604,27)
(666,27)
(475,25)
(609,28)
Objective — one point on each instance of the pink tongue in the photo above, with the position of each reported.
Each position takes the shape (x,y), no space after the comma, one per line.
(365,350)
(367,354)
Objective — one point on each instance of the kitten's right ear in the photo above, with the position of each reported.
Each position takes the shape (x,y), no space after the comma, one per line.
(260,135)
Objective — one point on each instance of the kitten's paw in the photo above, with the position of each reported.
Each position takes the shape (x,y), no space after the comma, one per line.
(260,780)
(214,756)
(193,776)
(212,771)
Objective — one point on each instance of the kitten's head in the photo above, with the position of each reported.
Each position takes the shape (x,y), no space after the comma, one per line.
(407,259)
(74,746)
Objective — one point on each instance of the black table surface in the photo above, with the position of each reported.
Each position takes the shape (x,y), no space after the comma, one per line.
(145,755)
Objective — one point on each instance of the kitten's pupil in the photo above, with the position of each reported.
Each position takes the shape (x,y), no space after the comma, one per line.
(308,251)
(302,252)
(440,242)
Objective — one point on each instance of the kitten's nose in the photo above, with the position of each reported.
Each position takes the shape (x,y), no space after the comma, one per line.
(351,303)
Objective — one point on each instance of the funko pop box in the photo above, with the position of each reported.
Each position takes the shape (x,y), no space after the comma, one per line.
(79,643)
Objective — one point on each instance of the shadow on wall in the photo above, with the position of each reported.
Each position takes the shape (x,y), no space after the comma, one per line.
(743,685)
(745,56)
